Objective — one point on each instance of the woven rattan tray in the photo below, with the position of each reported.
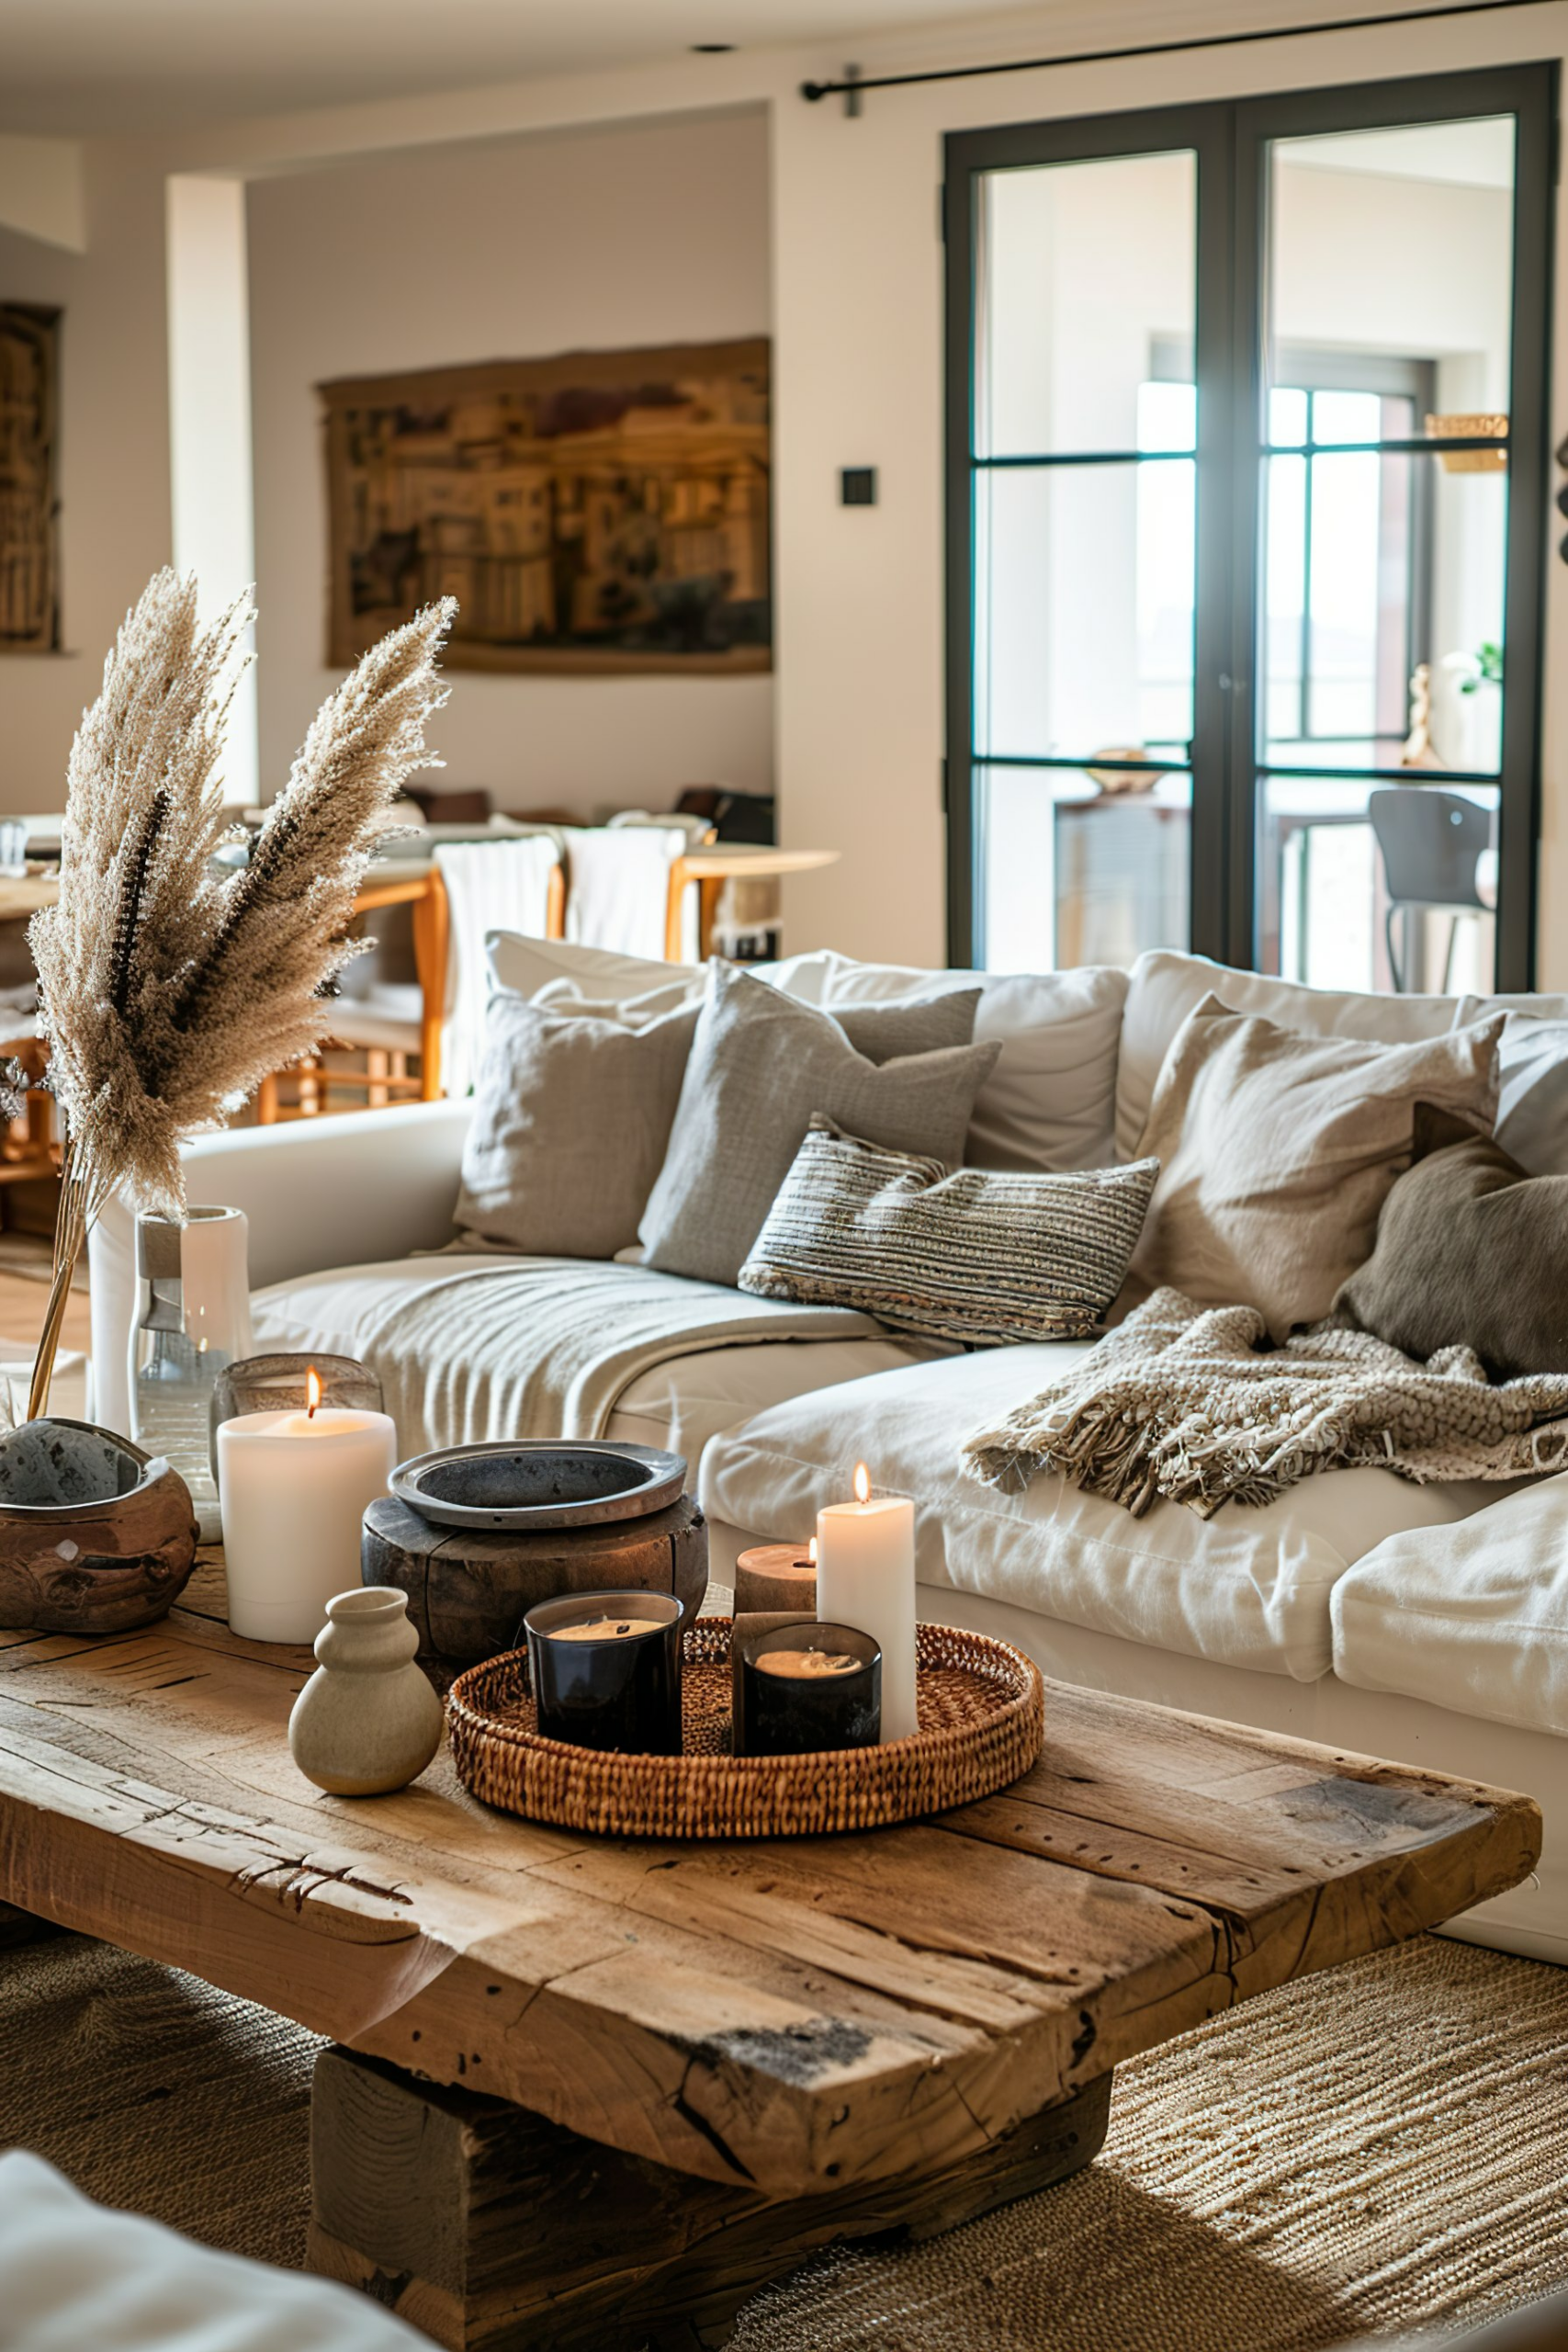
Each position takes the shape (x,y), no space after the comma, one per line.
(982,1719)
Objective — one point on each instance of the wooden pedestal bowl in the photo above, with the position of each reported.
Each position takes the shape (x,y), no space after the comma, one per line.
(95,1536)
(476,1534)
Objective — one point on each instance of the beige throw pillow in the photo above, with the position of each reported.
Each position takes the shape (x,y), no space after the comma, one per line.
(1277,1152)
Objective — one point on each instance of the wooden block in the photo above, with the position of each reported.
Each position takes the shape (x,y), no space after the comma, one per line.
(468,1590)
(493,2229)
(776,1576)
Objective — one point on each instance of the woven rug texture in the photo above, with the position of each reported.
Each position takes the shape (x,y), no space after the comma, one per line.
(1375,2149)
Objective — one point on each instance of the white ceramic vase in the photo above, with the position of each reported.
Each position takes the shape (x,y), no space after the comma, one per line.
(367,1720)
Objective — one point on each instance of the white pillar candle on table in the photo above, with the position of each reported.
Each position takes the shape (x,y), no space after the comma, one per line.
(865,1577)
(294,1488)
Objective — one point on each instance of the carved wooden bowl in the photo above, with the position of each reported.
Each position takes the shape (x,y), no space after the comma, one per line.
(95,1536)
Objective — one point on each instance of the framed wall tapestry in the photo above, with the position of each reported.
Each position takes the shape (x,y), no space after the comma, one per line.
(29,502)
(602,512)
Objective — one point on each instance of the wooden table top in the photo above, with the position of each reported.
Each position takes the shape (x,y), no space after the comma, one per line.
(793,2016)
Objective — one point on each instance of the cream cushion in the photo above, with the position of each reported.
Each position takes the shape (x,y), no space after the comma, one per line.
(1473,1616)
(1247,1588)
(1049,1102)
(1164,987)
(1278,1150)
(77,2277)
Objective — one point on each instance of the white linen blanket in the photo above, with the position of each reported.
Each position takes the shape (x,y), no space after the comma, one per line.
(1181,1402)
(532,1348)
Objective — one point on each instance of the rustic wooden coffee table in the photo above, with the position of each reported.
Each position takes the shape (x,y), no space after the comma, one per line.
(589,2094)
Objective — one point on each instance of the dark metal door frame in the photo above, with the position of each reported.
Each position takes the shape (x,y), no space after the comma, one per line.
(1230,140)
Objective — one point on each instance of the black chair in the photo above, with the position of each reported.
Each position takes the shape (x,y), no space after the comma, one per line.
(1432,843)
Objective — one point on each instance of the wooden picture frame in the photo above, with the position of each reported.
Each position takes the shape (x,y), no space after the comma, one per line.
(29,495)
(599,514)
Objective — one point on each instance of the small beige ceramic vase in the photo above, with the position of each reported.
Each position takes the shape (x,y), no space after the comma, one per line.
(367,1720)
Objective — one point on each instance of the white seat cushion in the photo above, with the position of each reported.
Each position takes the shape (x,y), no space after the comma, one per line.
(73,2275)
(1473,1616)
(1247,1588)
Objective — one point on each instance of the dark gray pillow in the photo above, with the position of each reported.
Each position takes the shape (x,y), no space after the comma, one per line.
(987,1256)
(1470,1253)
(575,1102)
(760,1065)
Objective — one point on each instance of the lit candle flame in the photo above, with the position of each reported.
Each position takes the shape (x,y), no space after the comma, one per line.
(811,1551)
(863,1483)
(312,1392)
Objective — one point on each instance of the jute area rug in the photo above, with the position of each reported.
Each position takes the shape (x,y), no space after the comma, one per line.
(1376,2149)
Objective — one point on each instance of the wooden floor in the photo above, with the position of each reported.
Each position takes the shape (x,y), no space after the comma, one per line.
(22,1303)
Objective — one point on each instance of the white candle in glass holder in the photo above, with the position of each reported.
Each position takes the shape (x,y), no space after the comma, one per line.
(294,1486)
(865,1577)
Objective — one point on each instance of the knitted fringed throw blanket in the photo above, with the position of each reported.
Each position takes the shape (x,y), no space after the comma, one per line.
(1182,1401)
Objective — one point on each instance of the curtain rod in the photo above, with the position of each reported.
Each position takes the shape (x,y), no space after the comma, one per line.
(854,84)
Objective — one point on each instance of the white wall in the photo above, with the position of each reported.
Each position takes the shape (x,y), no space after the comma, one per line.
(649,233)
(114,464)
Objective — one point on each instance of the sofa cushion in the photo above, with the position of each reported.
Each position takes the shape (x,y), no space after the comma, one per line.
(760,1066)
(1247,1588)
(1278,1150)
(1470,1253)
(1471,1616)
(570,1122)
(1049,1102)
(984,1255)
(75,2274)
(1164,987)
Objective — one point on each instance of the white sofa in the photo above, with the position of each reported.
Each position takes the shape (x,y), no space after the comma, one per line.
(1427,1624)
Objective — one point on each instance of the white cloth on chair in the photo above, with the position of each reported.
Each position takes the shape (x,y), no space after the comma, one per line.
(491,885)
(619,886)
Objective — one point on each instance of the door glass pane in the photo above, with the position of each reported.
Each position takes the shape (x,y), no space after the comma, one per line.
(1084,606)
(1378,886)
(1078,869)
(1388,322)
(1085,294)
(1381,612)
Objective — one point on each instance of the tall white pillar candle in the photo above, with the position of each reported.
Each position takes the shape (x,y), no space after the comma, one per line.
(294,1486)
(865,1577)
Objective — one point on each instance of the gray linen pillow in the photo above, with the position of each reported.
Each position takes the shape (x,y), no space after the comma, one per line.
(571,1117)
(575,1102)
(1472,1253)
(986,1256)
(760,1065)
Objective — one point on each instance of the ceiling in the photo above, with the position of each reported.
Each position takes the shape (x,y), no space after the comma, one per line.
(79,67)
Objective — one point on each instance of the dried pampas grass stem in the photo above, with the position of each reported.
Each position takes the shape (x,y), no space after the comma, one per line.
(170,988)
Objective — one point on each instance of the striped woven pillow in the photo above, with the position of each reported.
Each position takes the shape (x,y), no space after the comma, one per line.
(980,1255)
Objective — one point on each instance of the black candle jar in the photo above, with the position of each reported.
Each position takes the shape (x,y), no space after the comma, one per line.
(596,1688)
(787,1706)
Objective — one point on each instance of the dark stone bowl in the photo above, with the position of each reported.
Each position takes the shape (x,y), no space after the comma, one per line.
(95,1536)
(532,1485)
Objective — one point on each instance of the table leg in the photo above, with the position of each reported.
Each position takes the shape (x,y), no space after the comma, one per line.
(495,2231)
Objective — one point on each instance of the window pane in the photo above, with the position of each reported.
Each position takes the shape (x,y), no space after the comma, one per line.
(1077,872)
(1084,610)
(1396,244)
(1086,284)
(1383,612)
(1377,885)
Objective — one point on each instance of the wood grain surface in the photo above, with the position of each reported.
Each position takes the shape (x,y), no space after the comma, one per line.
(787,2018)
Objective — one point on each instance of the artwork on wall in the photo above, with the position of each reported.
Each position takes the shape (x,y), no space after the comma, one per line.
(29,503)
(602,512)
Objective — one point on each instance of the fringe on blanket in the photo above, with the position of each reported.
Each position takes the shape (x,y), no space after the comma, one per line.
(1189,1404)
